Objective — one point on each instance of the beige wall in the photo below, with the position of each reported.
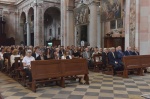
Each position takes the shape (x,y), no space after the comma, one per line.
(9,14)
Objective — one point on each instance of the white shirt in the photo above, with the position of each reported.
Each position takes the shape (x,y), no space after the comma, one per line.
(12,58)
(64,57)
(37,55)
(27,60)
(1,55)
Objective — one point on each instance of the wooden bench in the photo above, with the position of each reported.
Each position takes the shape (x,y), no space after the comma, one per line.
(109,68)
(20,73)
(137,63)
(97,58)
(145,60)
(42,71)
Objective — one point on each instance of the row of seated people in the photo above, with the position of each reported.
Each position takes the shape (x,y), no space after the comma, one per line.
(45,53)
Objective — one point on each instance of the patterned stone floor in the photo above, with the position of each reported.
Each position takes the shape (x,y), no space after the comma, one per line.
(101,87)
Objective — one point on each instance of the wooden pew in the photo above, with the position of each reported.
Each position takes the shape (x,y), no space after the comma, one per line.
(134,62)
(75,67)
(97,62)
(109,68)
(42,71)
(145,60)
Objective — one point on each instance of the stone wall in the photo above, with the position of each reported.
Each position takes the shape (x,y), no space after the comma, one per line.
(9,13)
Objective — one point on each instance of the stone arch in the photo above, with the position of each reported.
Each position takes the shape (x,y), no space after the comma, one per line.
(22,27)
(31,25)
(52,23)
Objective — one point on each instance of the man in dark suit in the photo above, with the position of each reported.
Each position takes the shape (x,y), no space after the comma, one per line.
(136,52)
(113,60)
(128,52)
(104,57)
(36,54)
(119,54)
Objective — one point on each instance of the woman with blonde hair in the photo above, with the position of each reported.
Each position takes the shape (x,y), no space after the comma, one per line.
(12,57)
(66,55)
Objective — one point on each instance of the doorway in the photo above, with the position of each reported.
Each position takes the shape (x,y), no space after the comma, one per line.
(83,33)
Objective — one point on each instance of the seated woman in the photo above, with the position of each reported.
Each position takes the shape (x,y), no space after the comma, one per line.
(76,53)
(66,55)
(27,63)
(43,56)
(12,58)
(48,53)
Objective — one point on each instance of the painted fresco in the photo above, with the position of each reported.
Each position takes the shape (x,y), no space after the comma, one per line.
(81,15)
(110,10)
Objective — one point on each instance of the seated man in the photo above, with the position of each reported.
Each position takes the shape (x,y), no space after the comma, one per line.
(112,57)
(36,54)
(104,57)
(136,52)
(27,64)
(128,52)
(119,54)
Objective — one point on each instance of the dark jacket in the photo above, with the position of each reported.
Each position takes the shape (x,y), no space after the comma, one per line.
(104,58)
(111,58)
(120,55)
(36,58)
(128,53)
(136,53)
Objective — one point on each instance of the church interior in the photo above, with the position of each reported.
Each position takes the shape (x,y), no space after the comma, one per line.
(74,49)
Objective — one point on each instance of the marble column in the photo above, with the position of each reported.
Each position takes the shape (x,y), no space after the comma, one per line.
(67,23)
(127,25)
(137,24)
(144,30)
(28,34)
(93,25)
(98,29)
(38,25)
(36,42)
(102,34)
(70,26)
(63,22)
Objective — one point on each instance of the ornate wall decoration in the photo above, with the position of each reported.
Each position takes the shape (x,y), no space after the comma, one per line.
(120,23)
(111,10)
(81,15)
(132,23)
(113,24)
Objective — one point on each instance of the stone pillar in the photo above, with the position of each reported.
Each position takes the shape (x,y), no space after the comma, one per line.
(63,22)
(70,26)
(144,30)
(67,22)
(28,33)
(36,42)
(127,24)
(38,24)
(102,34)
(98,30)
(93,25)
(137,24)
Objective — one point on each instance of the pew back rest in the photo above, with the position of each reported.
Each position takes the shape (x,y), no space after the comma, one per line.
(97,58)
(145,59)
(74,67)
(58,68)
(131,62)
(16,62)
(46,69)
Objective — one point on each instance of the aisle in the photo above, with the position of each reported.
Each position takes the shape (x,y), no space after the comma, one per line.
(101,87)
